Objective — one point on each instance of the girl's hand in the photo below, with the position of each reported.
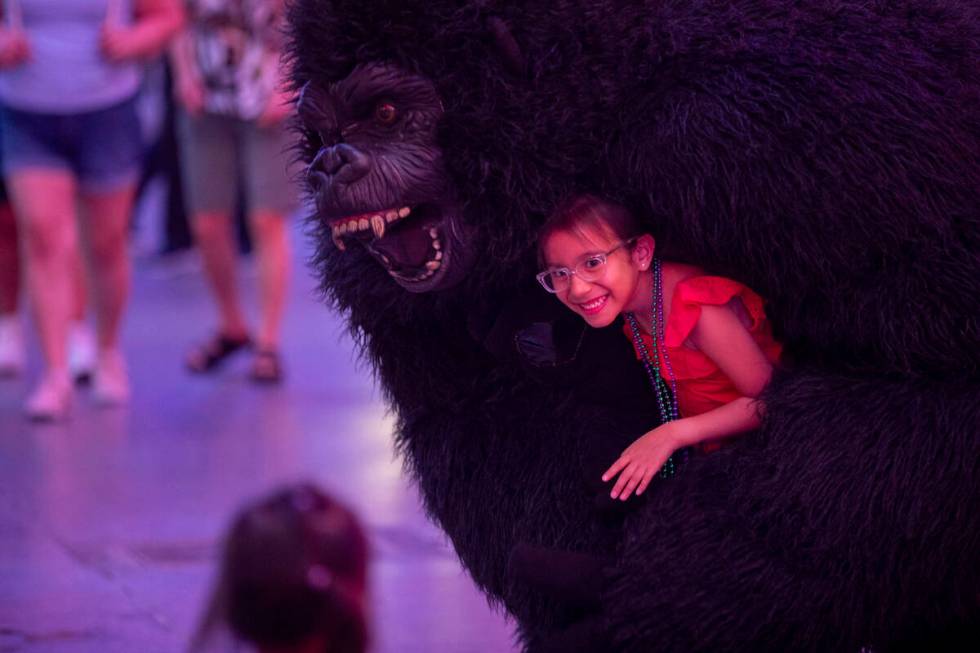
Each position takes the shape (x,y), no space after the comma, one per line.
(15,49)
(643,459)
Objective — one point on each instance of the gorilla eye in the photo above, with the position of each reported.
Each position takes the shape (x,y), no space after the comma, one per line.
(385,113)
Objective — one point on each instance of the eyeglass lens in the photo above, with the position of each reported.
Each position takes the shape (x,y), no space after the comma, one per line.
(591,269)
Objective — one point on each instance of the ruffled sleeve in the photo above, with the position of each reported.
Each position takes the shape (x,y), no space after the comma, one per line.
(701,384)
(693,293)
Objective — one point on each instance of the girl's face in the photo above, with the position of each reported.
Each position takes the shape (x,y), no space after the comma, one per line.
(615,289)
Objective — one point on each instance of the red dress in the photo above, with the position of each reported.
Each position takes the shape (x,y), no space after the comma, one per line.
(701,385)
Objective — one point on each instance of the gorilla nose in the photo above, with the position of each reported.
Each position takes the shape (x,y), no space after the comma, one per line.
(342,162)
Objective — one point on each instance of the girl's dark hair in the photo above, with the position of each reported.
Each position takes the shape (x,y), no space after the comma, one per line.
(294,565)
(585,211)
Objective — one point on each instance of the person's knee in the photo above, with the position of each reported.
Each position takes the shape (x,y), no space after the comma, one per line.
(47,239)
(268,226)
(210,228)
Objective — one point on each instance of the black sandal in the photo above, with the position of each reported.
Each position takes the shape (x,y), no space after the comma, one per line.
(266,367)
(208,356)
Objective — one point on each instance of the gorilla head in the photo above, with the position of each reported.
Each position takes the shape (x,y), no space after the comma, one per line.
(378,177)
(429,148)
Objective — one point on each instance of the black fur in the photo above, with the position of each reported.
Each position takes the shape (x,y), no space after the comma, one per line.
(826,153)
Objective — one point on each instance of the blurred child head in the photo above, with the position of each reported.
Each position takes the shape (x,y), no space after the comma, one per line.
(293,576)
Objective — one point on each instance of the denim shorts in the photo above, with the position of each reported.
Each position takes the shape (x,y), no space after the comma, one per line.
(103,148)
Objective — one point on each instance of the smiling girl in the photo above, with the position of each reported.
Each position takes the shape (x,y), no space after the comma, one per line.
(704,340)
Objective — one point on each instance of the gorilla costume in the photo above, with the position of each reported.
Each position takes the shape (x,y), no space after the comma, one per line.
(827,154)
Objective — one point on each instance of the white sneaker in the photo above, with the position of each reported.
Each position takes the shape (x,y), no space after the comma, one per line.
(12,356)
(111,382)
(51,399)
(81,351)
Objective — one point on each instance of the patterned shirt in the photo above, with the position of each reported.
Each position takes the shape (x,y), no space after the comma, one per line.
(236,45)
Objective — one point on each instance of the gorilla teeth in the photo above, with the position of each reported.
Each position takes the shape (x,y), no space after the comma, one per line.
(438,256)
(378,226)
(377,223)
(364,221)
(432,265)
(436,245)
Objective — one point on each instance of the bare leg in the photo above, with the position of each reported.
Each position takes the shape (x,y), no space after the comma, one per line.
(44,203)
(104,232)
(214,239)
(272,249)
(43,200)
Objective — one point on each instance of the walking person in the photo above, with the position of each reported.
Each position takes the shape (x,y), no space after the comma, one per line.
(229,83)
(70,73)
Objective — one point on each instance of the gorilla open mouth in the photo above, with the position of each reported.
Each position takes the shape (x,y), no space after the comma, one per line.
(414,244)
(377,174)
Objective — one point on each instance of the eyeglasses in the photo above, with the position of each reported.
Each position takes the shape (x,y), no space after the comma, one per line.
(589,270)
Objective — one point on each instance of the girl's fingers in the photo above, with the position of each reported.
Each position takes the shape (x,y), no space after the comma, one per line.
(647,477)
(620,463)
(633,482)
(623,480)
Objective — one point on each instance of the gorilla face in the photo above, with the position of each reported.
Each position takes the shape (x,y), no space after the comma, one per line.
(378,175)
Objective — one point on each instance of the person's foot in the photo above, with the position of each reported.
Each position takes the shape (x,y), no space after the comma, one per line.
(81,352)
(51,399)
(210,355)
(266,367)
(111,381)
(12,357)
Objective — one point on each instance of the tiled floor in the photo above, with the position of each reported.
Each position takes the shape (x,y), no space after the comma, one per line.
(109,523)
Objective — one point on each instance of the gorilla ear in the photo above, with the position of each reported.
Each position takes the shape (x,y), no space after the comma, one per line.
(507,46)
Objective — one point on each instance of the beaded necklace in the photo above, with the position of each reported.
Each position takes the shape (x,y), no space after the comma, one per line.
(666,397)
